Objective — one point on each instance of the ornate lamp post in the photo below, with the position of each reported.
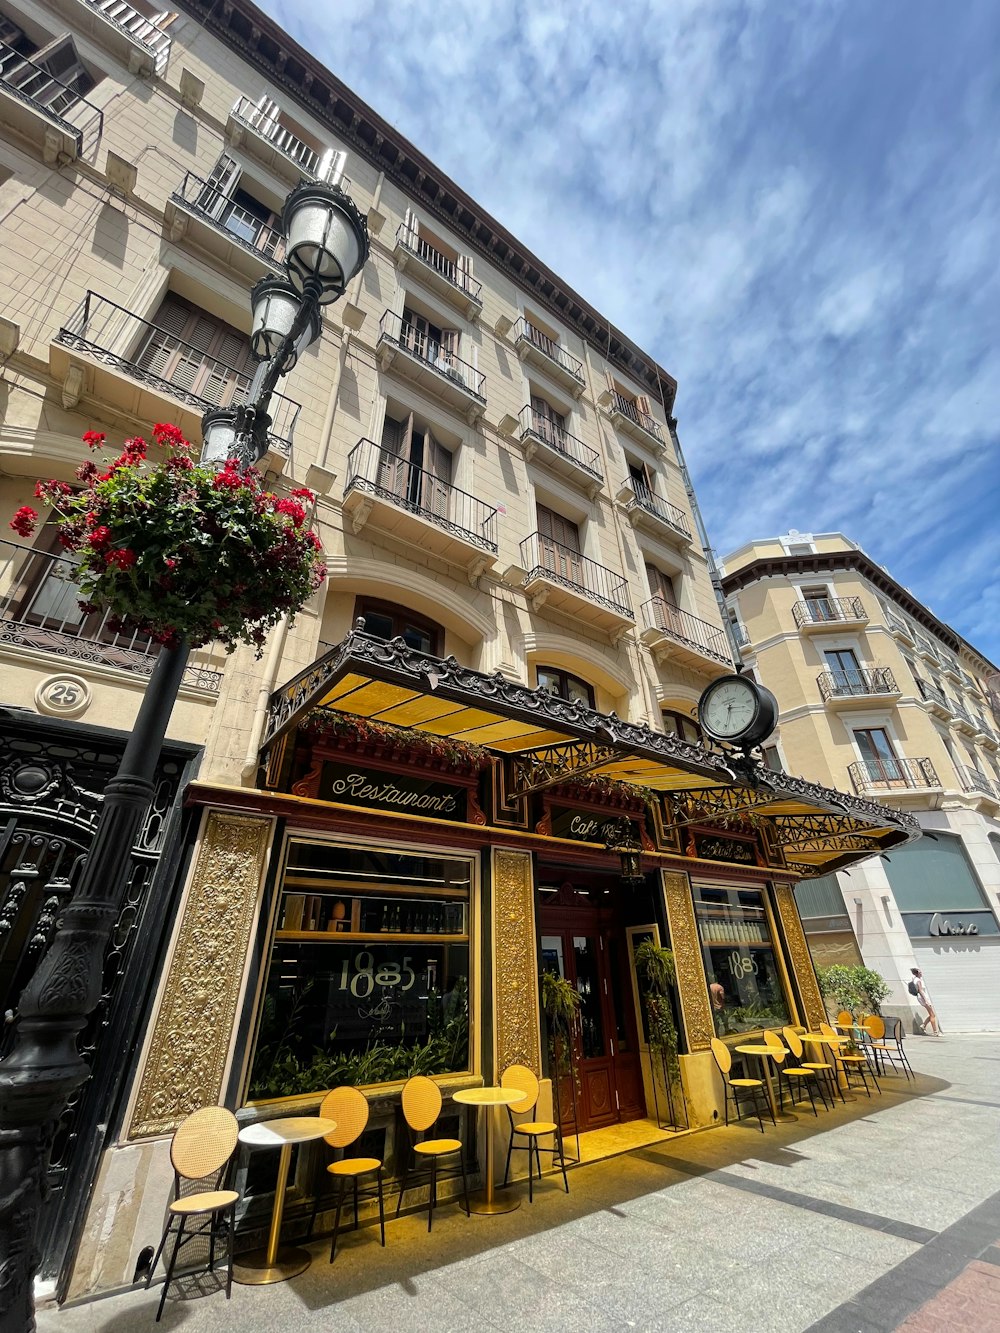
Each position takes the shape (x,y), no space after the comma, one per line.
(327,245)
(620,836)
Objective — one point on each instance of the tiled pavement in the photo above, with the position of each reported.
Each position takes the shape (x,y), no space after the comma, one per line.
(874,1217)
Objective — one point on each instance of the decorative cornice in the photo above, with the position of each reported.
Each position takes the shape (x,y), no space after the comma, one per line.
(263,44)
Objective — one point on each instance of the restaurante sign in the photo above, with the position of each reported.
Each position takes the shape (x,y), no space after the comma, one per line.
(381,791)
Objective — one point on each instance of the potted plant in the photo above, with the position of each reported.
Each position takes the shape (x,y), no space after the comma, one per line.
(561,1004)
(655,967)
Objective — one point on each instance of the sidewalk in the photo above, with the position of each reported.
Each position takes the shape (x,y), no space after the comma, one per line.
(874,1217)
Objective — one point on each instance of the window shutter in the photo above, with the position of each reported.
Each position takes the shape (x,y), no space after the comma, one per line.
(264,116)
(331,166)
(660,584)
(610,381)
(220,186)
(162,343)
(643,405)
(437,461)
(411,224)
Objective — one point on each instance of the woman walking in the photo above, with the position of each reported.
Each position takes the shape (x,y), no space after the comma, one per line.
(919,989)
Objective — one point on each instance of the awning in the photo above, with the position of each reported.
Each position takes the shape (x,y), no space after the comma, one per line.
(551,740)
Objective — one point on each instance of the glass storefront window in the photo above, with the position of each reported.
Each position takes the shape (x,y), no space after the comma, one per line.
(744,981)
(368,977)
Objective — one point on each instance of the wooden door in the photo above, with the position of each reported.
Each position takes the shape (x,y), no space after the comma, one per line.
(559,545)
(436,477)
(394,458)
(197,353)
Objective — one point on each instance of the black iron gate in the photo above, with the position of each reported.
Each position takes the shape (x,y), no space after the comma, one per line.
(52,777)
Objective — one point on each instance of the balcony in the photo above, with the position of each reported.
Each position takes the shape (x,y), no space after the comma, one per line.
(41,621)
(820,614)
(900,628)
(436,271)
(626,415)
(427,363)
(552,444)
(985,734)
(963,720)
(651,513)
(540,350)
(137,41)
(977,784)
(893,775)
(845,689)
(677,636)
(108,353)
(259,128)
(569,582)
(46,112)
(235,236)
(418,508)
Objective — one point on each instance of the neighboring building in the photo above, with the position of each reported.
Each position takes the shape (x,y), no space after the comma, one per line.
(502,499)
(879,696)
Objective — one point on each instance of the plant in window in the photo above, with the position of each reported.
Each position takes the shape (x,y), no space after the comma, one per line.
(181,552)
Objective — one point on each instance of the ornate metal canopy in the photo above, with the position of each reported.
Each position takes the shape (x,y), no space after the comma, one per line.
(549,740)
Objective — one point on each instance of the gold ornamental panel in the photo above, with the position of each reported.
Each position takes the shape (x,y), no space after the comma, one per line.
(798,951)
(686,945)
(516,1013)
(186,1061)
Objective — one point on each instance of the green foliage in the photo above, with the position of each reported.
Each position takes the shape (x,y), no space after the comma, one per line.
(857,989)
(754,1017)
(561,1002)
(874,987)
(655,965)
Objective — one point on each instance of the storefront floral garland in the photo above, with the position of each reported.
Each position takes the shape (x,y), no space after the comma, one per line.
(181,552)
(324,725)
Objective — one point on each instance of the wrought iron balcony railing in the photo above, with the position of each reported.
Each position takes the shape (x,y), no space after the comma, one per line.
(820,610)
(962,714)
(900,626)
(238,223)
(152,355)
(137,26)
(430,255)
(659,508)
(741,634)
(659,614)
(933,694)
(21,78)
(973,780)
(377,471)
(39,611)
(547,559)
(421,345)
(858,681)
(892,775)
(265,122)
(629,408)
(558,437)
(563,359)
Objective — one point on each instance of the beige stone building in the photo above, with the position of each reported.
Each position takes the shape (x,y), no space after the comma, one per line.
(881,697)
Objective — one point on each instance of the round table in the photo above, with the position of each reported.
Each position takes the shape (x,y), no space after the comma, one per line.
(272,1264)
(761,1050)
(485,1200)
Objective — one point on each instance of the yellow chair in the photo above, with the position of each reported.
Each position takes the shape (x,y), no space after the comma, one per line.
(521,1078)
(845,1019)
(750,1087)
(823,1068)
(848,1061)
(201,1149)
(794,1075)
(874,1026)
(421,1108)
(349,1110)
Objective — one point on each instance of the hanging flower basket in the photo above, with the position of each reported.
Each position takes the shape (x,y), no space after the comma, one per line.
(381,739)
(177,551)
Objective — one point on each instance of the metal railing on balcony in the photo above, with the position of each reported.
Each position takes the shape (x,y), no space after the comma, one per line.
(558,437)
(138,27)
(553,350)
(430,255)
(962,714)
(892,775)
(380,472)
(544,558)
(421,345)
(658,507)
(659,614)
(40,612)
(264,121)
(238,223)
(900,626)
(973,780)
(33,85)
(629,408)
(859,681)
(740,634)
(820,610)
(931,693)
(152,355)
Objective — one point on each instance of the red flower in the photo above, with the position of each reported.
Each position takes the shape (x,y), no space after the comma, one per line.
(170,562)
(86,471)
(88,608)
(303,493)
(93,439)
(24,521)
(180,463)
(122,557)
(100,536)
(167,435)
(52,491)
(293,509)
(68,541)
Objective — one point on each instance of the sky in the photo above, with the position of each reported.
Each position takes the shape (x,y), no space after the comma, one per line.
(793,205)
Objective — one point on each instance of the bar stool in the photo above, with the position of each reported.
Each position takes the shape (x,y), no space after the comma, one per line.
(523,1079)
(349,1110)
(421,1103)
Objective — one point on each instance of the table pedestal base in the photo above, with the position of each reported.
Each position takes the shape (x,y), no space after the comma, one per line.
(503,1202)
(253,1269)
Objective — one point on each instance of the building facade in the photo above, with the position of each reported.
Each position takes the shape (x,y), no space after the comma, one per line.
(879,696)
(371,841)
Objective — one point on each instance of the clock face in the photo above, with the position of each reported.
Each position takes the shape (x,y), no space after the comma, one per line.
(729,708)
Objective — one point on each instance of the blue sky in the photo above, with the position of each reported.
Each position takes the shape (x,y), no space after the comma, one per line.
(794,206)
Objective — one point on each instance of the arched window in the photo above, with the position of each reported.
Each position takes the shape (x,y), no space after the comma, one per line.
(386,620)
(560,683)
(676,724)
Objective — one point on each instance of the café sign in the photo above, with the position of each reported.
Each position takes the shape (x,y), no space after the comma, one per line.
(580,825)
(351,785)
(710,847)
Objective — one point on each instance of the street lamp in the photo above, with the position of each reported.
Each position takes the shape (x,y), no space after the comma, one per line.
(327,245)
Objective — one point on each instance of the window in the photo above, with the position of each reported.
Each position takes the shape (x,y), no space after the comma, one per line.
(877,754)
(843,666)
(431,342)
(740,960)
(226,201)
(819,603)
(369,970)
(457,268)
(661,585)
(197,353)
(634,406)
(559,545)
(641,479)
(676,724)
(772,759)
(564,686)
(385,620)
(414,466)
(68,79)
(548,422)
